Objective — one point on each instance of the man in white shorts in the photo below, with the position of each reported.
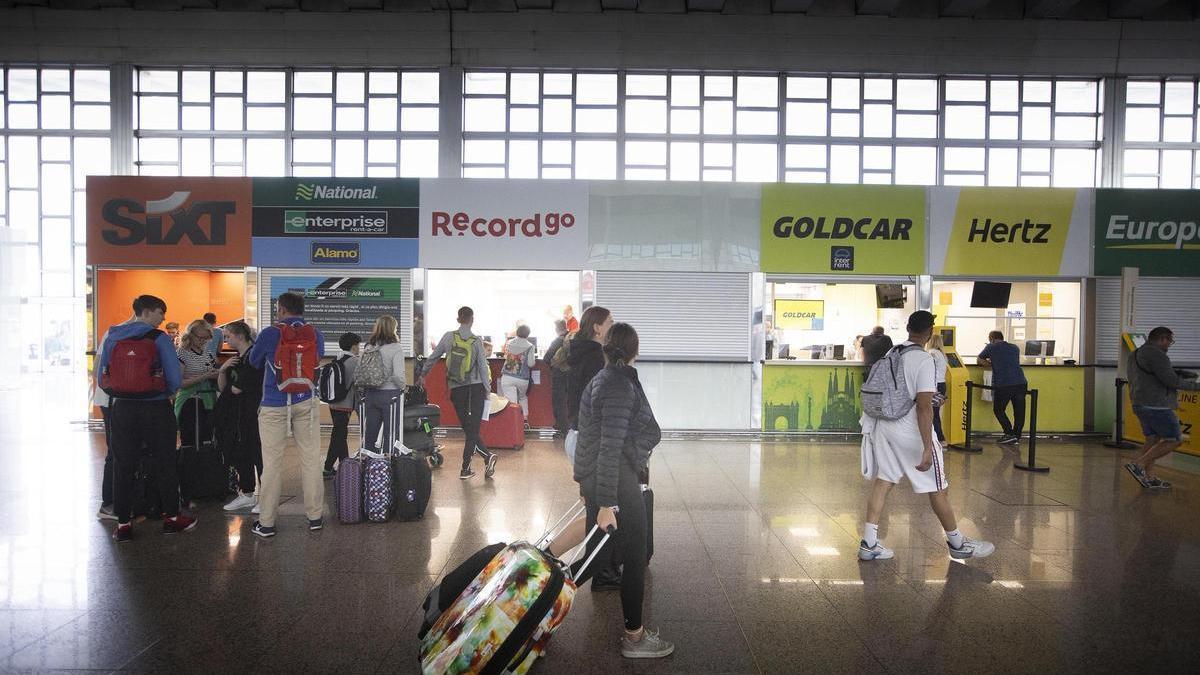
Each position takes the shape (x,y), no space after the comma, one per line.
(905,447)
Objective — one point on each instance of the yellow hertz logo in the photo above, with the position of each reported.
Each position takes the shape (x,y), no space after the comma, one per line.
(1167,235)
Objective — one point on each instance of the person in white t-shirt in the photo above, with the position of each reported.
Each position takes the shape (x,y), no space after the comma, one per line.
(905,448)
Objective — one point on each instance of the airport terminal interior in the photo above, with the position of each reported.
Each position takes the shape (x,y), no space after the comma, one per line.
(770,192)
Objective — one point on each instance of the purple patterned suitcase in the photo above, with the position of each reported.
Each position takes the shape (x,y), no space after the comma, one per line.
(377,477)
(348,484)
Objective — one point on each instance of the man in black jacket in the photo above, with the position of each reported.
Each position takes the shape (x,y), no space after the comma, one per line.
(875,346)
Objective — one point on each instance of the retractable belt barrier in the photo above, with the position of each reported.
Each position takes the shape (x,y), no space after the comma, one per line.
(967,446)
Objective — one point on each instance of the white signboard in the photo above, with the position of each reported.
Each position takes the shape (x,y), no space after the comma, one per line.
(503,224)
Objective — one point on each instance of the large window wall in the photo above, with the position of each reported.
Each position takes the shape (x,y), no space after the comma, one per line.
(380,123)
(796,128)
(59,124)
(54,132)
(1161,136)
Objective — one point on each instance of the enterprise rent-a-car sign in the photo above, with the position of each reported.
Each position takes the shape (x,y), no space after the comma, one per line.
(314,222)
(843,229)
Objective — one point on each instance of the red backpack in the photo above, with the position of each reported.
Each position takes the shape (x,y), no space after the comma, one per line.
(134,369)
(296,358)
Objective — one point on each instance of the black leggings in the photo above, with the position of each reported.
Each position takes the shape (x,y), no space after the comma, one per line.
(1002,396)
(629,542)
(468,403)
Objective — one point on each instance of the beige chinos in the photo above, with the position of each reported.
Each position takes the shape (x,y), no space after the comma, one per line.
(306,429)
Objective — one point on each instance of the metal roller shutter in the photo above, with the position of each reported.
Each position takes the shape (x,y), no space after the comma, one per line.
(682,316)
(1160,301)
(266,303)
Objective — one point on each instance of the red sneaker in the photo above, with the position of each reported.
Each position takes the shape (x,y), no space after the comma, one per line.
(177,524)
(123,533)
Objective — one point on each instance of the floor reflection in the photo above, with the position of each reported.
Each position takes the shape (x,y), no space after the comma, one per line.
(754,570)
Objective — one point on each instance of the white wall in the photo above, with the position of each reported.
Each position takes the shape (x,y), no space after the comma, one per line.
(699,395)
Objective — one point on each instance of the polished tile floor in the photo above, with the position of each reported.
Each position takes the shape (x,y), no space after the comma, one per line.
(755,568)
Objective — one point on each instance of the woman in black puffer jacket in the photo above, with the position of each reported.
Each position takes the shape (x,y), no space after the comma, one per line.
(585,357)
(617,431)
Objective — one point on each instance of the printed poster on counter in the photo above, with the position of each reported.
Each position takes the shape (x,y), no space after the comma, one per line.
(338,305)
(997,231)
(504,224)
(843,229)
(336,222)
(1156,231)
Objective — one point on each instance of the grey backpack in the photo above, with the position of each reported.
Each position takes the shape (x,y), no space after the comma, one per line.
(371,373)
(885,392)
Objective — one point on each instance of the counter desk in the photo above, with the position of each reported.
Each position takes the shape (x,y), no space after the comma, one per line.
(823,395)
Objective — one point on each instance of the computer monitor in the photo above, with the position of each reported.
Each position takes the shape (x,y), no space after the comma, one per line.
(785,351)
(947,337)
(890,296)
(990,294)
(1039,348)
(839,352)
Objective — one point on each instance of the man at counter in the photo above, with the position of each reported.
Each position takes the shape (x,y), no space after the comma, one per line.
(1154,391)
(1009,385)
(875,346)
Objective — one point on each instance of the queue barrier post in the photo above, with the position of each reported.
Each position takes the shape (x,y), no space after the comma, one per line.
(967,446)
(1118,435)
(1031,464)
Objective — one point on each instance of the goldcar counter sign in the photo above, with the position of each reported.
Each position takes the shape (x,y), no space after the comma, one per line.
(843,229)
(1157,231)
(1010,231)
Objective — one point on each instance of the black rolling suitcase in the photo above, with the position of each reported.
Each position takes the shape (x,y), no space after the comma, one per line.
(202,471)
(412,483)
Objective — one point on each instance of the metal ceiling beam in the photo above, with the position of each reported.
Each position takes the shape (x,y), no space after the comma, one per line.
(963,7)
(1048,9)
(1132,9)
(790,6)
(877,7)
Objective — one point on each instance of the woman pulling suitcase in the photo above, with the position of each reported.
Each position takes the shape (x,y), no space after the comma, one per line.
(617,431)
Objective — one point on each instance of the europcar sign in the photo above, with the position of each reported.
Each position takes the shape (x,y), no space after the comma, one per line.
(1157,231)
(168,222)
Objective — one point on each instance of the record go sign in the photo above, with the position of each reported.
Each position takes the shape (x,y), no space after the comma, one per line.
(485,224)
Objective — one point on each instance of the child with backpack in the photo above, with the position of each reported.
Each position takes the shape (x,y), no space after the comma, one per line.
(289,351)
(380,376)
(468,377)
(335,382)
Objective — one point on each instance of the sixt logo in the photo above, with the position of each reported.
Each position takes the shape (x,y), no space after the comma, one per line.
(168,213)
(308,192)
(334,252)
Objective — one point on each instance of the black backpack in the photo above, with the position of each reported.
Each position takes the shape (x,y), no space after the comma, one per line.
(331,381)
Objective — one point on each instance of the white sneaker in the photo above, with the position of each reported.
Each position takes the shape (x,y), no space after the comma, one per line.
(106,512)
(651,646)
(971,548)
(240,502)
(876,552)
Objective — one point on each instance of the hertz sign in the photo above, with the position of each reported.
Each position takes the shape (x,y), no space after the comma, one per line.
(168,222)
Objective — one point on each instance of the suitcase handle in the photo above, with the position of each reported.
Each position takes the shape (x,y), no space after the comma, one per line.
(559,525)
(397,402)
(596,551)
